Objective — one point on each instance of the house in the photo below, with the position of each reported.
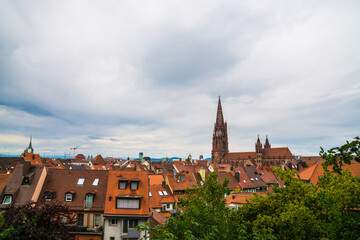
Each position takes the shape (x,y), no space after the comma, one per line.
(233,184)
(84,191)
(126,204)
(236,200)
(255,178)
(7,164)
(161,199)
(244,180)
(24,185)
(178,183)
(315,172)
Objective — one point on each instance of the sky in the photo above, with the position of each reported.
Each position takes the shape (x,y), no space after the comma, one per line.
(121,77)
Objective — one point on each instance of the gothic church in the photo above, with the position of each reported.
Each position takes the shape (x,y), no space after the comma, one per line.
(262,156)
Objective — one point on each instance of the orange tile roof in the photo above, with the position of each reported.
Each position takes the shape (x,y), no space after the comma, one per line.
(157,217)
(113,192)
(4,177)
(241,198)
(313,173)
(177,184)
(156,179)
(156,199)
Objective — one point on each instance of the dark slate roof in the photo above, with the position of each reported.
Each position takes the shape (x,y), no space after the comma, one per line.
(8,162)
(254,177)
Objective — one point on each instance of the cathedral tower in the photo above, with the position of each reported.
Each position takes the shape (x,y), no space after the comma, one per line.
(220,138)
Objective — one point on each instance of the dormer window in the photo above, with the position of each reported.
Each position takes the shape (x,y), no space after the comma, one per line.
(134,184)
(49,195)
(89,200)
(26,181)
(81,181)
(96,182)
(7,199)
(68,197)
(122,184)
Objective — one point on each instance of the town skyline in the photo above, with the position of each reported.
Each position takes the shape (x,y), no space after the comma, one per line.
(122,78)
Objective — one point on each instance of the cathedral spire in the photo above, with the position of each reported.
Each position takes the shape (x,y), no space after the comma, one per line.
(258,145)
(267,144)
(219,115)
(220,138)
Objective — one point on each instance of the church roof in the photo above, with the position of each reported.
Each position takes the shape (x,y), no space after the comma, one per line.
(239,155)
(279,152)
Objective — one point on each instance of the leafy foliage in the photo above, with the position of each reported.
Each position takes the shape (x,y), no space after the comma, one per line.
(328,210)
(29,221)
(338,156)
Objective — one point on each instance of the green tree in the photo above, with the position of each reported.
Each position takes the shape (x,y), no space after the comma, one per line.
(203,215)
(338,156)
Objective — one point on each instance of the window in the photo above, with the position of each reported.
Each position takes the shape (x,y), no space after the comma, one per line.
(113,221)
(150,195)
(48,196)
(134,185)
(167,206)
(160,193)
(165,193)
(201,183)
(80,219)
(128,203)
(26,181)
(96,182)
(68,197)
(244,180)
(132,223)
(256,178)
(252,179)
(81,181)
(7,200)
(112,238)
(89,200)
(97,220)
(122,184)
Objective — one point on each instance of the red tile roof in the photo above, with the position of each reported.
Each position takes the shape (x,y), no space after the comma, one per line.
(279,152)
(233,184)
(239,155)
(62,181)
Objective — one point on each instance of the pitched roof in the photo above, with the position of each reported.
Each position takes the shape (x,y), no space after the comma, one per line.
(313,173)
(156,199)
(233,184)
(181,183)
(282,152)
(113,191)
(157,217)
(252,173)
(244,182)
(156,179)
(4,177)
(7,162)
(239,155)
(240,198)
(267,177)
(23,193)
(62,181)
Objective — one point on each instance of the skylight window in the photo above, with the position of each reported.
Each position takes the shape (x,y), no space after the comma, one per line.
(150,194)
(252,179)
(96,182)
(160,193)
(244,180)
(256,178)
(81,181)
(165,193)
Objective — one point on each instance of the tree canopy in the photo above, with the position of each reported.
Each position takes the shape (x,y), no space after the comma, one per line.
(328,210)
(30,221)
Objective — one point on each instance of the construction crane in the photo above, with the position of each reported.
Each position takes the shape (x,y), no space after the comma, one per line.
(74,149)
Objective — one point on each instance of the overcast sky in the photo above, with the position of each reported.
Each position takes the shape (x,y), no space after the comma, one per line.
(122,77)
